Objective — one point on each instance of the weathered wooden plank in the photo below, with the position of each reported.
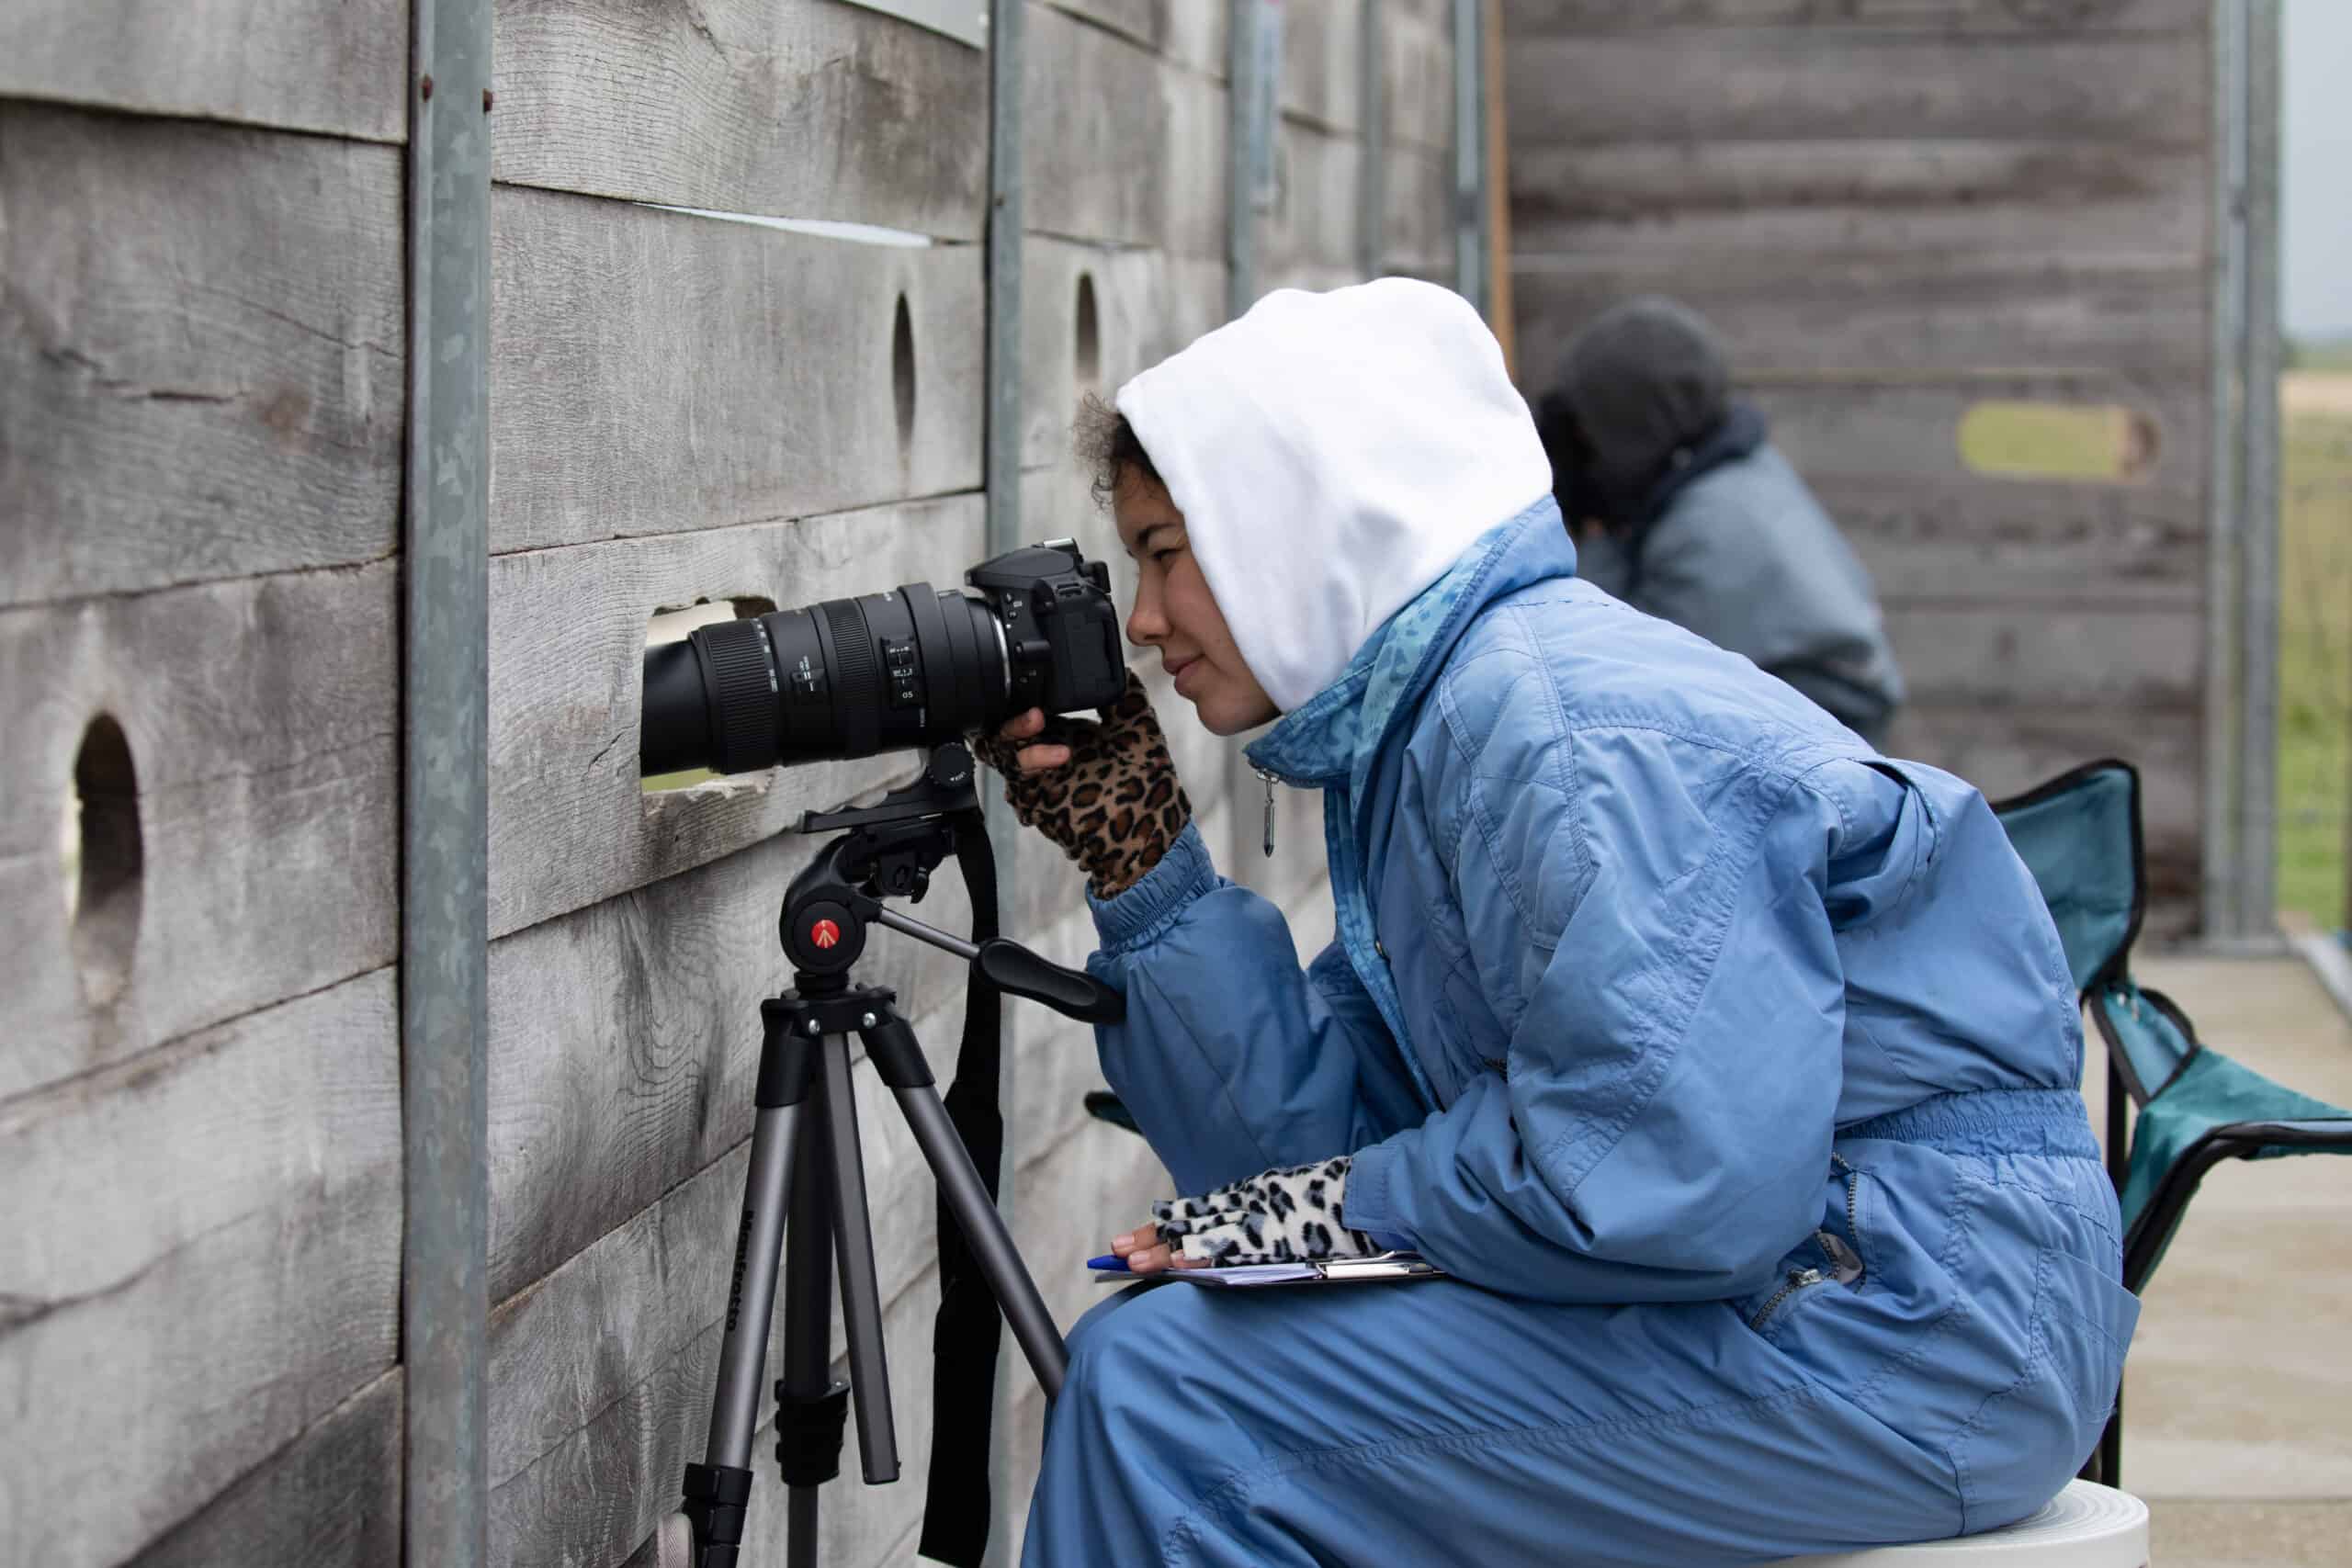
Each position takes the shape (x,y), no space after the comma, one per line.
(1136,159)
(329,1499)
(1416,76)
(1525,20)
(569,825)
(1417,232)
(1323,63)
(1702,205)
(2051,544)
(1194,37)
(1781,84)
(2141,316)
(659,372)
(294,64)
(1898,430)
(601,1376)
(1148,23)
(2007,747)
(261,717)
(201,374)
(823,111)
(200,1257)
(626,1043)
(1142,306)
(2150,658)
(1315,228)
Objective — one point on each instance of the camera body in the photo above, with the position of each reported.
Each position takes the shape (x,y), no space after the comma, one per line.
(913,667)
(1062,631)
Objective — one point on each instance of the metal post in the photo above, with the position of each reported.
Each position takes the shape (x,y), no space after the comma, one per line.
(2219,818)
(444,829)
(1470,216)
(2257,914)
(1007,30)
(1371,194)
(1254,81)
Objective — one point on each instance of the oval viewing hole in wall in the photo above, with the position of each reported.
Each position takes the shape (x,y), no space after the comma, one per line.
(1089,336)
(106,861)
(902,371)
(2093,443)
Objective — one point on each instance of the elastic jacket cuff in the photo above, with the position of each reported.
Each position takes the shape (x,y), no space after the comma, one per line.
(1365,1206)
(1127,920)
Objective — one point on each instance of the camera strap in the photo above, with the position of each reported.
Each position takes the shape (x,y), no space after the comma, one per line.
(968,1331)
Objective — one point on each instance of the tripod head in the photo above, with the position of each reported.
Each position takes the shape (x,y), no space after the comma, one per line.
(889,851)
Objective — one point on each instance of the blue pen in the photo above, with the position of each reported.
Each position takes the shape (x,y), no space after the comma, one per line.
(1109,1263)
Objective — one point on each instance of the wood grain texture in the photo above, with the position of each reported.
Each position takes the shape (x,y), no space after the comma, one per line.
(1153,24)
(2050,313)
(625,1044)
(1777,83)
(1314,228)
(1322,81)
(658,372)
(1136,159)
(569,825)
(262,719)
(200,349)
(200,1257)
(2055,546)
(1416,76)
(1418,233)
(329,1499)
(294,64)
(2148,659)
(824,111)
(2010,18)
(1702,206)
(1147,305)
(601,1375)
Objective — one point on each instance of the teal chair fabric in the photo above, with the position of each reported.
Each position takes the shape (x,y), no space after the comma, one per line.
(2079,834)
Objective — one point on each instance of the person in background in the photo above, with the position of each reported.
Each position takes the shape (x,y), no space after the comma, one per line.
(1681,506)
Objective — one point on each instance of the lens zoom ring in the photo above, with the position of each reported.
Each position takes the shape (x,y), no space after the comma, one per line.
(857,682)
(744,679)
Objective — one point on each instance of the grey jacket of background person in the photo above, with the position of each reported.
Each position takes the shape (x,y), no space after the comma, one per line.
(1745,556)
(1705,524)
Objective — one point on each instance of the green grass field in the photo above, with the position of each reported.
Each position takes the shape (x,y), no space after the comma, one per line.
(2315,648)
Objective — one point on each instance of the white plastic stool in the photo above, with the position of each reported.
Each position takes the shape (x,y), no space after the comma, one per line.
(2086,1526)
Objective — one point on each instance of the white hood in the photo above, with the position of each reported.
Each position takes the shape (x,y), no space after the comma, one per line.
(1334,455)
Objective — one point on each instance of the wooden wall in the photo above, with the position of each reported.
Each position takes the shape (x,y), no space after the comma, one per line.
(202,408)
(1895,210)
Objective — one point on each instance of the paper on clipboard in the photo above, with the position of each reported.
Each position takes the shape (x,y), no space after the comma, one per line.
(1379,1266)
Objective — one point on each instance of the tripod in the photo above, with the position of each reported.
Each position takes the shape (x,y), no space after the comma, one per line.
(805,1195)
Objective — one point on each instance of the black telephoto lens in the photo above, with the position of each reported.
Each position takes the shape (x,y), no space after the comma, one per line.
(911,668)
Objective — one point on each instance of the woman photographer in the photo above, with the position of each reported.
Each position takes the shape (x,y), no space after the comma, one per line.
(1728,1066)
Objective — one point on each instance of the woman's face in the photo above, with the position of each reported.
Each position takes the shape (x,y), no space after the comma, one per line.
(1176,614)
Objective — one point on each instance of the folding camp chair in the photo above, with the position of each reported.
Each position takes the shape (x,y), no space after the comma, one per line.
(2079,834)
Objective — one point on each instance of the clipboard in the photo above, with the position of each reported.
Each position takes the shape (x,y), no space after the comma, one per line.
(1380,1268)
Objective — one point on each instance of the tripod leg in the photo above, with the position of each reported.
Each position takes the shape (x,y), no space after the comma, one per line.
(898,1058)
(810,1405)
(869,1375)
(718,1490)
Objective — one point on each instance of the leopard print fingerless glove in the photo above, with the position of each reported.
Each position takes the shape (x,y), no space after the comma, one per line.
(1285,1215)
(1115,806)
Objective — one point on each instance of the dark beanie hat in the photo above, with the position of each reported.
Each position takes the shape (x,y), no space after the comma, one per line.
(1643,380)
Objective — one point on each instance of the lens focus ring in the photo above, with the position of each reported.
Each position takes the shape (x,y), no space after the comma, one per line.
(742,681)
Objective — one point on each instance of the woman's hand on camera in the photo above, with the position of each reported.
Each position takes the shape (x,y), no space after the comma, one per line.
(1041,757)
(1105,791)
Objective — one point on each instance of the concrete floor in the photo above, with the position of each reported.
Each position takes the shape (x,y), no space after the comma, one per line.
(2238,1395)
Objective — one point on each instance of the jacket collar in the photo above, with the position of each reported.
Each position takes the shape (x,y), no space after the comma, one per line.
(1333,738)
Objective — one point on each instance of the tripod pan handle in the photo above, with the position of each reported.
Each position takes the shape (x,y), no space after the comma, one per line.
(1013,968)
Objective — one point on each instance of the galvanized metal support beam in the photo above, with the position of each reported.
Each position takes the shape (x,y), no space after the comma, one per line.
(1472,221)
(444,827)
(2239,817)
(1008,30)
(1372,191)
(1254,85)
(2257,902)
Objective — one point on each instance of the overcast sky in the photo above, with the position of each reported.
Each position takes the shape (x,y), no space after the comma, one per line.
(2318,195)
